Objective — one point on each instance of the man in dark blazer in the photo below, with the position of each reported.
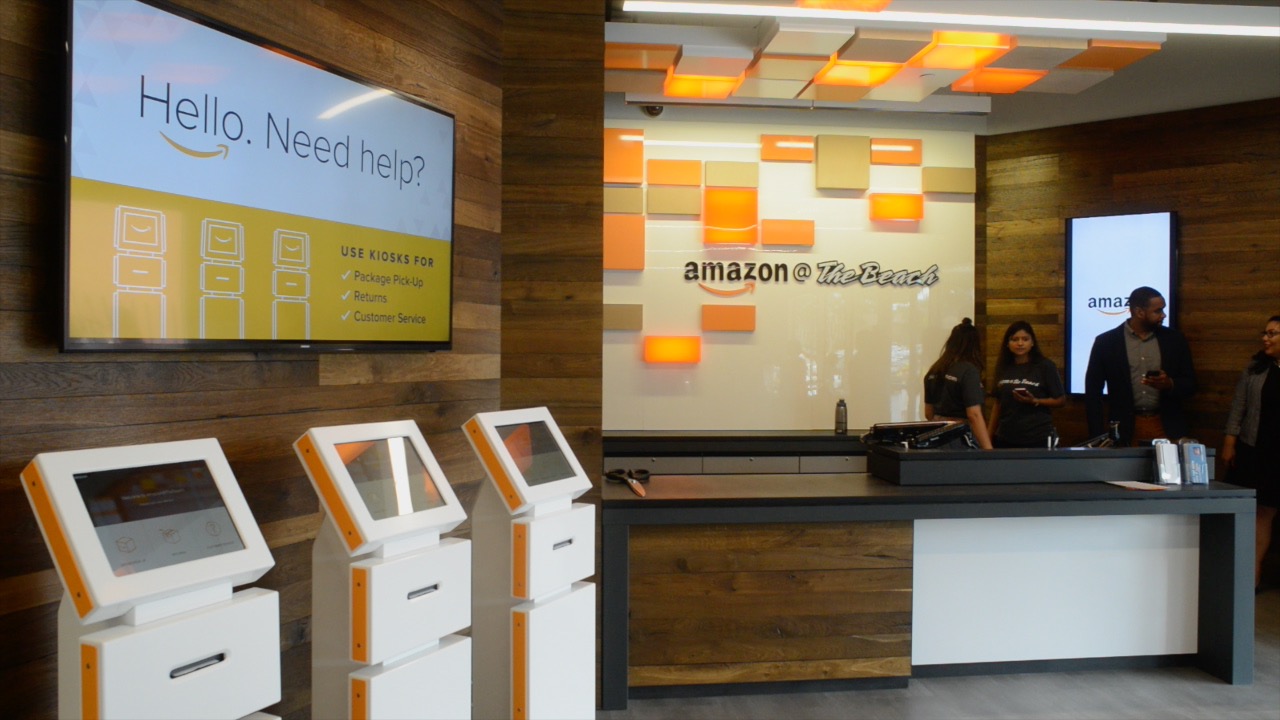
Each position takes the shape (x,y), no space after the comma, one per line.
(1147,371)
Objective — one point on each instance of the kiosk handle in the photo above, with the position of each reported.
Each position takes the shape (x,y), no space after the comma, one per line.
(562,544)
(197,665)
(415,594)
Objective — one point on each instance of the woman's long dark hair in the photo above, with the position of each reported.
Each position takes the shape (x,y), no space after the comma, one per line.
(1005,358)
(964,343)
(1261,361)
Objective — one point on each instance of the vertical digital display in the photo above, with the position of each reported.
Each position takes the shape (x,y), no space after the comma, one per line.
(1107,258)
(158,515)
(535,452)
(390,476)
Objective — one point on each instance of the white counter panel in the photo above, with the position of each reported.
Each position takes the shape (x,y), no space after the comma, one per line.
(1013,589)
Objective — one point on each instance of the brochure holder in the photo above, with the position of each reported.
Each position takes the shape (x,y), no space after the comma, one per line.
(534,630)
(148,541)
(388,595)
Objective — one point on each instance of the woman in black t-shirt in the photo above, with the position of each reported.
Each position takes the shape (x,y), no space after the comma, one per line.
(953,385)
(1027,388)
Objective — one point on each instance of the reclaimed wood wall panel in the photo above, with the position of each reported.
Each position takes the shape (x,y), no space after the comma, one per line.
(1217,168)
(713,604)
(552,221)
(448,54)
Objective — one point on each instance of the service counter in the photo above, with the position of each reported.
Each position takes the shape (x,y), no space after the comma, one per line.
(785,581)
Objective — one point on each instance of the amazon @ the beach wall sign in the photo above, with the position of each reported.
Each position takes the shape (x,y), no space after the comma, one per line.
(754,274)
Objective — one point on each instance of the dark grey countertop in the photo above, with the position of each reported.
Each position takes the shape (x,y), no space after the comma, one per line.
(658,443)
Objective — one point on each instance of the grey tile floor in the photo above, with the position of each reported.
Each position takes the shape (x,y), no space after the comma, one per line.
(1172,693)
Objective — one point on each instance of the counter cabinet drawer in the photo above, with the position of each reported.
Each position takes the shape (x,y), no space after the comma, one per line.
(745,465)
(681,465)
(833,463)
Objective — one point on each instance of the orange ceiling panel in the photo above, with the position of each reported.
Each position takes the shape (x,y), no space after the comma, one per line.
(786,148)
(1110,55)
(626,56)
(896,151)
(728,318)
(997,81)
(623,242)
(623,156)
(856,74)
(952,50)
(730,216)
(709,87)
(672,349)
(896,206)
(675,172)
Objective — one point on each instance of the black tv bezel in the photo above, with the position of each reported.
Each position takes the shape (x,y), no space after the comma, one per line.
(1171,297)
(69,344)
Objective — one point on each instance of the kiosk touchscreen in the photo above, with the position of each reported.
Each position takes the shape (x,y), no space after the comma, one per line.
(129,525)
(378,482)
(527,458)
(149,541)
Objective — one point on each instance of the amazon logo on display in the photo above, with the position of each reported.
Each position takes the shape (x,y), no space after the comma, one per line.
(1109,305)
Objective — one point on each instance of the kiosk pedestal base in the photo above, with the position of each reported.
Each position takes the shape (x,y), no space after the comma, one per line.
(221,661)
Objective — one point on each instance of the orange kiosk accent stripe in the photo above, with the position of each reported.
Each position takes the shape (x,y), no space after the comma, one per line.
(490,461)
(329,494)
(519,666)
(58,545)
(359,699)
(89,698)
(520,560)
(360,615)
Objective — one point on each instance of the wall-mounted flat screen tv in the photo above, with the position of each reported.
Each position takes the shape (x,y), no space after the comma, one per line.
(1107,258)
(224,194)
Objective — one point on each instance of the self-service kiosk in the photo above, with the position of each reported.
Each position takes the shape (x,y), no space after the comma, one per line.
(388,595)
(534,618)
(149,542)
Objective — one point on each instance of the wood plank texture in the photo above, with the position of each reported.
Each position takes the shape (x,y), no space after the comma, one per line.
(1217,168)
(446,53)
(759,603)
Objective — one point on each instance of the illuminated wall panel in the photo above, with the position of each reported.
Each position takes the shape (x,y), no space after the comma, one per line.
(666,349)
(730,216)
(786,148)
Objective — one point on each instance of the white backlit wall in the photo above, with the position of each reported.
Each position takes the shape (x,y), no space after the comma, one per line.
(813,339)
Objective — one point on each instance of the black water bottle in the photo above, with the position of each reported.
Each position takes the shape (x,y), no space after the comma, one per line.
(842,417)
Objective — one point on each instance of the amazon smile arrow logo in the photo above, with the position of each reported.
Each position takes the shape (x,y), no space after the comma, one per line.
(201,154)
(747,288)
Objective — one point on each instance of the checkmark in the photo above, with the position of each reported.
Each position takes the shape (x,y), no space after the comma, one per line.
(346,275)
(346,295)
(346,314)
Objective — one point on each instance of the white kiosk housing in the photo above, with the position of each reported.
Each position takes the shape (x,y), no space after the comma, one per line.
(149,542)
(387,593)
(535,621)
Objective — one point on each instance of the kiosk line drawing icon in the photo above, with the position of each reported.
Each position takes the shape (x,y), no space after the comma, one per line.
(291,286)
(138,272)
(221,279)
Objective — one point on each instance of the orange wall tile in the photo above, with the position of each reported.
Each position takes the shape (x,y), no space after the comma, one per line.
(623,242)
(730,216)
(729,318)
(771,152)
(623,158)
(896,151)
(674,172)
(786,232)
